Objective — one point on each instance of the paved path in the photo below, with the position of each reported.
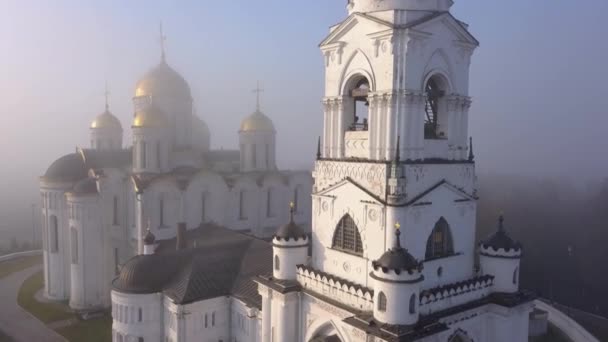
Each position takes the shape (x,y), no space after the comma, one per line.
(16,322)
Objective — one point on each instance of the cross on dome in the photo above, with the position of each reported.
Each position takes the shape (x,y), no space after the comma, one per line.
(106,93)
(258,90)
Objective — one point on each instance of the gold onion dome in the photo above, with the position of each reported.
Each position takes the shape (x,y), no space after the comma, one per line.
(163,81)
(106,120)
(150,116)
(257,122)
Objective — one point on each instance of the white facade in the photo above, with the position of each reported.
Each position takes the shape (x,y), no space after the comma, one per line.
(403,163)
(169,176)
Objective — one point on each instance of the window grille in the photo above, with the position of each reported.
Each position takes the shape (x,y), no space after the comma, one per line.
(440,242)
(347,237)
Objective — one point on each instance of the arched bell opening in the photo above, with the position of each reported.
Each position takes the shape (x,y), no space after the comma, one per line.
(356,104)
(436,110)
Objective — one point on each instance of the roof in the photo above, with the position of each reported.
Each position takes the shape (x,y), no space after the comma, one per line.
(106,120)
(257,122)
(215,262)
(501,240)
(69,168)
(98,159)
(290,230)
(397,259)
(163,81)
(150,116)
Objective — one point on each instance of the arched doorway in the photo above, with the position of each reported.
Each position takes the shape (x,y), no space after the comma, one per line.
(436,120)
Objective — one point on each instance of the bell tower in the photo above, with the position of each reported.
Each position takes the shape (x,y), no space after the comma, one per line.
(395,144)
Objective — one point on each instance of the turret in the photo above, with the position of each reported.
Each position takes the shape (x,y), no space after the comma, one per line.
(106,131)
(257,138)
(151,140)
(397,279)
(290,249)
(149,242)
(499,256)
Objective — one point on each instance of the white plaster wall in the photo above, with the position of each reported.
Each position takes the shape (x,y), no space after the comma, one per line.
(57,270)
(364,6)
(192,326)
(106,139)
(245,325)
(258,140)
(290,254)
(151,136)
(125,316)
(503,270)
(89,286)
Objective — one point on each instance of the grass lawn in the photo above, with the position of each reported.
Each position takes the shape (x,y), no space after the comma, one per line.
(46,312)
(12,266)
(95,330)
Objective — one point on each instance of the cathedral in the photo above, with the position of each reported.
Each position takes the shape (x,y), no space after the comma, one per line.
(381,247)
(98,202)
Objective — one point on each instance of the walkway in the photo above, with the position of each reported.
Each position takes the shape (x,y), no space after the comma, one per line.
(16,322)
(566,324)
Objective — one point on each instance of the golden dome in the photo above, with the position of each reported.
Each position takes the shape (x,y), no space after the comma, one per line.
(163,81)
(151,116)
(257,122)
(106,120)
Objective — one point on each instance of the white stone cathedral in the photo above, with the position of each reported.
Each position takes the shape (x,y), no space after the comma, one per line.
(392,255)
(98,202)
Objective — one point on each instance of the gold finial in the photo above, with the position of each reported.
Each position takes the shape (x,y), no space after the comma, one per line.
(292,205)
(106,94)
(163,38)
(397,225)
(258,90)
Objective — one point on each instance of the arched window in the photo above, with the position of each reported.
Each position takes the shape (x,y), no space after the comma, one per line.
(347,237)
(515,276)
(413,304)
(277,263)
(435,124)
(381,302)
(440,242)
(115,211)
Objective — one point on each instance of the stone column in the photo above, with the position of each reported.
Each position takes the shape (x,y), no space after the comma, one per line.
(139,221)
(454,126)
(419,103)
(466,105)
(326,127)
(391,119)
(402,125)
(339,112)
(380,138)
(372,123)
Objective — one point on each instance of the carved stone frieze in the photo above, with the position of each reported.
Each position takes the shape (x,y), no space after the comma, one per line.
(371,176)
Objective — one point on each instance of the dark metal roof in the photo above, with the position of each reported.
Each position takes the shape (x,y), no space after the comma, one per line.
(501,239)
(95,159)
(397,259)
(215,262)
(69,168)
(290,230)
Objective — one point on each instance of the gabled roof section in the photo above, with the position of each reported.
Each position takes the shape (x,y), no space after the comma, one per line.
(346,181)
(453,24)
(349,23)
(445,184)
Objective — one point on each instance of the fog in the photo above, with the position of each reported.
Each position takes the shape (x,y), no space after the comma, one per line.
(537,80)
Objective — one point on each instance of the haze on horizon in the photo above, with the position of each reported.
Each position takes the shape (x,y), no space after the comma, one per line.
(537,81)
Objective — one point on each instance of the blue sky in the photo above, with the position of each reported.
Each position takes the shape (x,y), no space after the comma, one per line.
(538,79)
